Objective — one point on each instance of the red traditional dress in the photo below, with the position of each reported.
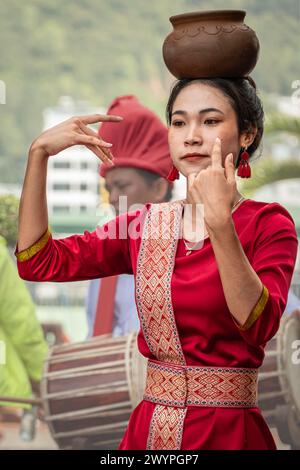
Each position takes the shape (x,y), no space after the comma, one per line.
(199,392)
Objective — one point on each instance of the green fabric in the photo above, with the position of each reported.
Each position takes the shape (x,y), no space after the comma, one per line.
(20,332)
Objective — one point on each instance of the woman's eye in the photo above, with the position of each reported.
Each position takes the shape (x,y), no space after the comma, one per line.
(211,121)
(177,123)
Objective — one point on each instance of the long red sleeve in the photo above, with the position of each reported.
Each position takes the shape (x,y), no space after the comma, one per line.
(274,254)
(81,257)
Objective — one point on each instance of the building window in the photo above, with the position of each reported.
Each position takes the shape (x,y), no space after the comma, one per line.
(83,187)
(84,165)
(61,187)
(61,165)
(83,208)
(61,208)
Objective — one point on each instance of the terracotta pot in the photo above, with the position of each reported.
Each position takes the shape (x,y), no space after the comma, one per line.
(213,43)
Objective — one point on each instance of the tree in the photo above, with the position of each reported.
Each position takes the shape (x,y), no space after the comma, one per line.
(268,172)
(9,206)
(283,123)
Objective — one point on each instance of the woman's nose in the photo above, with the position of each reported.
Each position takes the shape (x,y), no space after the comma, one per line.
(193,136)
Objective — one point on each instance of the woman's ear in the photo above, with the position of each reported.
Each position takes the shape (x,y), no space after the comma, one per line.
(247,137)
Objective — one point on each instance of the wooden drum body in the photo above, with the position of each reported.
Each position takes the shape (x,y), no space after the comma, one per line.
(279,381)
(89,390)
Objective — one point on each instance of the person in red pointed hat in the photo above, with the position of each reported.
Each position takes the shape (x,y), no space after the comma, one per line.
(142,164)
(142,140)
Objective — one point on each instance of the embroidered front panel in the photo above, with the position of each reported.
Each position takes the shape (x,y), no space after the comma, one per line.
(153,281)
(166,428)
(201,386)
(153,296)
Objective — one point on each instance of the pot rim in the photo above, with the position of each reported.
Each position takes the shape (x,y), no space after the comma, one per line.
(233,15)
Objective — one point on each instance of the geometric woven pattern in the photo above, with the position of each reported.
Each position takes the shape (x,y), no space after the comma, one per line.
(182,386)
(166,428)
(155,267)
(153,281)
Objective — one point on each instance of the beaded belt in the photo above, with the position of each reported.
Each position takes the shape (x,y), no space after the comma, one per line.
(181,386)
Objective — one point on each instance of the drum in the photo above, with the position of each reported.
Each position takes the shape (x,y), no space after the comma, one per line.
(279,381)
(89,390)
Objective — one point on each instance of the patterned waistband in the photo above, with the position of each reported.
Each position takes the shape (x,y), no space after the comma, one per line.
(182,386)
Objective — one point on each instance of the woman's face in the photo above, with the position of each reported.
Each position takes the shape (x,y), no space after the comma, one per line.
(200,114)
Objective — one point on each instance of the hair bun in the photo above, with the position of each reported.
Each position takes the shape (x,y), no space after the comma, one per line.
(251,82)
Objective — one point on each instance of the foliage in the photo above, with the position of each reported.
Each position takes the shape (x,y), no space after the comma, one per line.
(282,123)
(269,171)
(9,206)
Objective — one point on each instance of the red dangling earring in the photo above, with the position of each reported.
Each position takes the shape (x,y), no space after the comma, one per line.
(173,174)
(244,169)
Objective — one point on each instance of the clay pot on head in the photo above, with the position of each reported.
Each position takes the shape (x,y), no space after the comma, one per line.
(213,43)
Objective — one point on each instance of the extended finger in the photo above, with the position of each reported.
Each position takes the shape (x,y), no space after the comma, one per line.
(86,130)
(229,168)
(81,138)
(216,155)
(92,143)
(99,153)
(93,118)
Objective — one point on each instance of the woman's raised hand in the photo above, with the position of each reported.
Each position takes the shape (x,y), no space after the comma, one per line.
(75,131)
(215,187)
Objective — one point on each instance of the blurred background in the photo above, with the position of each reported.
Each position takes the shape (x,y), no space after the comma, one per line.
(59,59)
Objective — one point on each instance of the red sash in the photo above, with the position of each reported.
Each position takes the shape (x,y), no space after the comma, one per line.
(105,306)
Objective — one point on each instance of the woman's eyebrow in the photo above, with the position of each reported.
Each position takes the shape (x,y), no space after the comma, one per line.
(202,111)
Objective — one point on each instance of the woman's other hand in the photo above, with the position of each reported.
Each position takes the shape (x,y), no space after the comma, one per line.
(75,131)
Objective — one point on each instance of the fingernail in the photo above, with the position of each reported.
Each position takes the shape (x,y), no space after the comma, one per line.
(106,144)
(218,140)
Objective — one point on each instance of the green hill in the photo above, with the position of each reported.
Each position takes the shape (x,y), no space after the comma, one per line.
(94,50)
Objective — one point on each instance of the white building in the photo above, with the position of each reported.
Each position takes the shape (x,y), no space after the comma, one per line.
(73,179)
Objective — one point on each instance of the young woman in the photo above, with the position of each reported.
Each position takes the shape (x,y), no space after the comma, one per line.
(206,309)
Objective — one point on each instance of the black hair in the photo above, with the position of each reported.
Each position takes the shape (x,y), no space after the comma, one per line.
(150,177)
(242,96)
